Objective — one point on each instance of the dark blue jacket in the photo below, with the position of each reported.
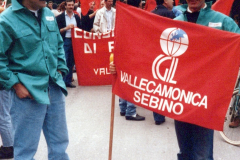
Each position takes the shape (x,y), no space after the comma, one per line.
(163,11)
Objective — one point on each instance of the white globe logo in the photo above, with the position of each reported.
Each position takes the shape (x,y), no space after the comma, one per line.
(174,42)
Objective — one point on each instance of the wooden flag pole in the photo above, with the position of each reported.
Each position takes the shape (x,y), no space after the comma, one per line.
(111,58)
(111,127)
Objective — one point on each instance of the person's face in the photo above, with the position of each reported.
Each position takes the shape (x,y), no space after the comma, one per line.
(92,5)
(34,4)
(195,5)
(69,7)
(102,3)
(169,4)
(50,5)
(109,4)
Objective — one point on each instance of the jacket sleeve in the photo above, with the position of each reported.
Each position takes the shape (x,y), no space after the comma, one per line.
(230,25)
(7,77)
(96,23)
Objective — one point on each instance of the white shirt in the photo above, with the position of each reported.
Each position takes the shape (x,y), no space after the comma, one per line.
(109,15)
(69,20)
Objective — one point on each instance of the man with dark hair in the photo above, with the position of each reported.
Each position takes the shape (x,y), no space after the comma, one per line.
(67,21)
(88,19)
(50,5)
(32,64)
(164,8)
(195,142)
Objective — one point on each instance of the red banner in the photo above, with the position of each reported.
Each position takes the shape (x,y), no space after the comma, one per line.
(223,6)
(181,70)
(91,54)
(150,5)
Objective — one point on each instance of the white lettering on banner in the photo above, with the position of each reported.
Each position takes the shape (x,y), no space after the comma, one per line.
(164,97)
(79,33)
(158,103)
(88,50)
(101,71)
(110,46)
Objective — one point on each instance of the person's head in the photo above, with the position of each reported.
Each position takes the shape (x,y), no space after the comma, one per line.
(54,6)
(108,4)
(92,5)
(167,3)
(69,6)
(34,4)
(195,5)
(135,3)
(1,1)
(50,3)
(102,4)
(61,7)
(75,6)
(1,9)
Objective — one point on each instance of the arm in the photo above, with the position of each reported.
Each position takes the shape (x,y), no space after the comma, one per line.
(96,23)
(70,26)
(93,14)
(7,78)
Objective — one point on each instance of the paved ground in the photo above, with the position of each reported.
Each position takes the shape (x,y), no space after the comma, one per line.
(88,117)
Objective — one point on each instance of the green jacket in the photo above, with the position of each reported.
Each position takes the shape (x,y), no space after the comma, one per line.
(30,54)
(210,18)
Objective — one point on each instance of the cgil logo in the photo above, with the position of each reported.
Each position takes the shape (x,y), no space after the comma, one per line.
(174,42)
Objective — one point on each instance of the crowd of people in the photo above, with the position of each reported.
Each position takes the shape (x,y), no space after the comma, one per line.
(37,64)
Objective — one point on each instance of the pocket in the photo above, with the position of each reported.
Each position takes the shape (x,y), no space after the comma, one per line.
(53,34)
(26,39)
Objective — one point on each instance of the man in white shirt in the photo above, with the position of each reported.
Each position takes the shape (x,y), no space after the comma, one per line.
(105,18)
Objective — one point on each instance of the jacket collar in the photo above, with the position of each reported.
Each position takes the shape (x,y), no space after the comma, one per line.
(16,5)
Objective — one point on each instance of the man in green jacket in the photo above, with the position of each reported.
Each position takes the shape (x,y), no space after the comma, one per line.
(195,142)
(32,65)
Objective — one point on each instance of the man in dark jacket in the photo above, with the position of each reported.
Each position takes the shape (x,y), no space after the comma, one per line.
(66,21)
(164,8)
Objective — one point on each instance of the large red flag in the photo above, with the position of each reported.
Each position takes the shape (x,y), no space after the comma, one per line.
(178,69)
(223,6)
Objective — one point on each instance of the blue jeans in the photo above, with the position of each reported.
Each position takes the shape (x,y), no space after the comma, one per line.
(69,59)
(127,107)
(158,117)
(30,117)
(195,142)
(5,118)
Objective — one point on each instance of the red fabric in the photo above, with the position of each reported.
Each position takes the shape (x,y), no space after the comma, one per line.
(85,5)
(91,56)
(176,2)
(206,72)
(223,6)
(97,4)
(150,5)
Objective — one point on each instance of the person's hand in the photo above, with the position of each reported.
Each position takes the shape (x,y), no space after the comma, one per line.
(59,72)
(112,68)
(70,26)
(92,30)
(22,91)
